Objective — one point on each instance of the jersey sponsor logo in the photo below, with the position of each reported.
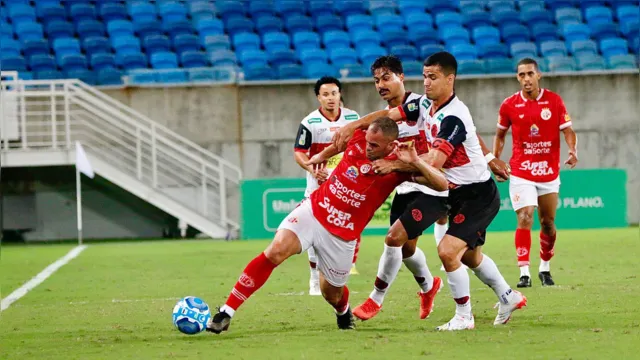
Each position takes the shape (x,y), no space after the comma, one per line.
(567,118)
(417,214)
(333,161)
(519,105)
(545,114)
(440,117)
(522,251)
(336,217)
(293,220)
(521,116)
(246,281)
(320,131)
(365,168)
(453,133)
(351,117)
(303,137)
(537,148)
(425,104)
(537,168)
(534,131)
(345,194)
(351,173)
(543,102)
(459,219)
(314,120)
(411,107)
(334,128)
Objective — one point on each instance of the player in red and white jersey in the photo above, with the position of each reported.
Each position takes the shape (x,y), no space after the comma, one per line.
(536,117)
(473,195)
(314,135)
(333,218)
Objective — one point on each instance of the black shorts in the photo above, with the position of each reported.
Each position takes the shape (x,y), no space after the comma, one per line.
(473,208)
(417,211)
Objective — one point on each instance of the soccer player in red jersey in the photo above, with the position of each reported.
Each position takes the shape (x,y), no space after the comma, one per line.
(333,218)
(536,117)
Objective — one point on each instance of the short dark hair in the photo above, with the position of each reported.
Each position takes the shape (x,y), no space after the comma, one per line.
(388,127)
(391,62)
(528,61)
(445,60)
(326,80)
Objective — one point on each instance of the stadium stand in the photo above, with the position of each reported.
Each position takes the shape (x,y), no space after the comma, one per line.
(273,39)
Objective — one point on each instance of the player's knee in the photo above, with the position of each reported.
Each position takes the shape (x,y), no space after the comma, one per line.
(547,225)
(396,236)
(332,295)
(447,256)
(525,220)
(409,248)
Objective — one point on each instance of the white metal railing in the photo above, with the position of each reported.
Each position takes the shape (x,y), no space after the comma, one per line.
(53,114)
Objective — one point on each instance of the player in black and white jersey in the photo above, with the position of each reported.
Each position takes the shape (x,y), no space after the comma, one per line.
(314,135)
(473,196)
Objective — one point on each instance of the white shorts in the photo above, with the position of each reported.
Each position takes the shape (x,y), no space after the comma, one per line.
(525,193)
(334,254)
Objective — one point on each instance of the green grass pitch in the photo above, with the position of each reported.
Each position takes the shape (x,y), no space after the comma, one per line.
(114,302)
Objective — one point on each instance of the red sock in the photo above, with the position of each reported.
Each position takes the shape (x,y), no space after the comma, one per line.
(523,246)
(547,243)
(343,304)
(355,253)
(253,277)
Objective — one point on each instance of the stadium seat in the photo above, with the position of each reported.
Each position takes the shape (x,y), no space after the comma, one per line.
(492,51)
(354,71)
(328,22)
(84,75)
(505,17)
(237,25)
(258,73)
(306,40)
(42,63)
(357,23)
(276,41)
(369,54)
(171,76)
(317,71)
(297,23)
(192,59)
(557,4)
(628,13)
(477,18)
(223,58)
(583,47)
(319,8)
(208,27)
(216,42)
(11,48)
(143,12)
(148,28)
(463,51)
(630,28)
(388,22)
(141,76)
(498,66)
(501,5)
(290,71)
(200,10)
(126,44)
(467,6)
(349,7)
(56,29)
(313,56)
(16,63)
(412,68)
(413,20)
(246,41)
(380,7)
(155,43)
(266,24)
(598,14)
(470,67)
(336,39)
(47,75)
(455,35)
(405,52)
(281,56)
(253,57)
(553,48)
(590,63)
(365,38)
(423,35)
(561,64)
(258,9)
(80,12)
(429,49)
(109,77)
(69,62)
(231,8)
(524,50)
(412,6)
(516,33)
(545,32)
(486,35)
(172,11)
(186,42)
(568,15)
(118,28)
(112,11)
(600,31)
(536,16)
(448,19)
(584,4)
(614,46)
(394,38)
(96,45)
(90,28)
(64,46)
(619,62)
(22,13)
(131,61)
(163,60)
(28,31)
(531,5)
(102,61)
(572,32)
(438,6)
(50,12)
(202,75)
(288,8)
(343,56)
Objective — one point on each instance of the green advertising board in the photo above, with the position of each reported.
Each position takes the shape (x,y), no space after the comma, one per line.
(594,198)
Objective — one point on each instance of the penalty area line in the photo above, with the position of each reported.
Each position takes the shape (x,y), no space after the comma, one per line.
(41,277)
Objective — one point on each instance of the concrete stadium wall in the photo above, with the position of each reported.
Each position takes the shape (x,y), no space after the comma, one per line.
(255,125)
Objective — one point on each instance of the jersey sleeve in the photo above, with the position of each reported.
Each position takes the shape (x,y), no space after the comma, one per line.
(303,139)
(564,119)
(504,122)
(452,133)
(410,111)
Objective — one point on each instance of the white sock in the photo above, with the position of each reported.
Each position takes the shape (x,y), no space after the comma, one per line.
(489,274)
(315,275)
(524,271)
(417,264)
(312,255)
(388,268)
(544,265)
(439,232)
(459,284)
(228,310)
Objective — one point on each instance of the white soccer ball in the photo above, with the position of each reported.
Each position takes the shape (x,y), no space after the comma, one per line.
(190,315)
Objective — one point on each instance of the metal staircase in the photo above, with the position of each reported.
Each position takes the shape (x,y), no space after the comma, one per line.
(41,120)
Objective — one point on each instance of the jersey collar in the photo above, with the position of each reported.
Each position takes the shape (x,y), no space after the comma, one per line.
(453,96)
(537,99)
(325,116)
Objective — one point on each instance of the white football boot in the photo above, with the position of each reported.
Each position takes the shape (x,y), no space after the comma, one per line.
(314,287)
(459,322)
(517,301)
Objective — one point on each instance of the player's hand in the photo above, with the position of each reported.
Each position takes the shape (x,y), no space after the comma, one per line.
(342,137)
(383,167)
(406,152)
(320,173)
(572,161)
(316,159)
(500,169)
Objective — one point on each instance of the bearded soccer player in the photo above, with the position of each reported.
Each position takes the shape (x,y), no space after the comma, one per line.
(314,135)
(473,195)
(333,218)
(536,117)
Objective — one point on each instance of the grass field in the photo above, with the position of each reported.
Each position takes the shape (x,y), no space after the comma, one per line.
(114,302)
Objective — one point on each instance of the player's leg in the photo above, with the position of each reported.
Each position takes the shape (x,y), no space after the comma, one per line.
(440,229)
(314,279)
(524,199)
(547,205)
(450,250)
(354,270)
(338,297)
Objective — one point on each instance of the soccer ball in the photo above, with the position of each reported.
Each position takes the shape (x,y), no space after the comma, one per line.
(190,315)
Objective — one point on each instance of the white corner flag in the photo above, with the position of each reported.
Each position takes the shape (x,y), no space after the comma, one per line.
(82,166)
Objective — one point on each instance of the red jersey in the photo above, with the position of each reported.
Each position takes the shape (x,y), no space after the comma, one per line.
(346,202)
(536,129)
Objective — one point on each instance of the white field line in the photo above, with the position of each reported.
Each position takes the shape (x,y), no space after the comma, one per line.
(42,276)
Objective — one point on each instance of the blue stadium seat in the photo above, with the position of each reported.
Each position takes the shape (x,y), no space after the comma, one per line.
(202,10)
(545,32)
(288,8)
(118,28)
(11,47)
(568,15)
(186,42)
(412,6)
(177,27)
(553,48)
(572,32)
(620,62)
(237,25)
(616,4)
(172,11)
(336,39)
(80,12)
(143,12)
(297,23)
(486,35)
(412,68)
(614,46)
(498,66)
(290,71)
(328,22)
(628,13)
(463,51)
(405,52)
(56,29)
(171,76)
(583,47)
(258,9)
(163,60)
(412,20)
(423,35)
(22,13)
(531,5)
(467,6)
(524,49)
(216,42)
(601,31)
(50,12)
(470,67)
(223,58)
(96,45)
(90,28)
(281,56)
(561,64)
(505,17)
(388,22)
(630,28)
(112,11)
(584,4)
(394,38)
(447,19)
(343,56)
(228,8)
(557,4)
(72,62)
(590,63)
(142,76)
(155,43)
(192,59)
(16,63)
(202,75)
(365,38)
(598,14)
(276,41)
(131,61)
(536,16)
(349,7)
(28,31)
(312,56)
(42,63)
(109,77)
(225,73)
(473,19)
(354,71)
(429,49)
(493,51)
(379,7)
(501,5)
(253,57)
(126,44)
(266,24)
(246,41)
(208,27)
(258,72)
(368,54)
(47,75)
(454,35)
(84,75)
(359,22)
(6,30)
(317,71)
(319,8)
(438,6)
(516,33)
(102,61)
(65,46)
(306,40)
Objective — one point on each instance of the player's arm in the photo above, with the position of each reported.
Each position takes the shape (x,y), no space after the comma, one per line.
(428,175)
(321,157)
(451,134)
(569,135)
(383,166)
(304,139)
(498,167)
